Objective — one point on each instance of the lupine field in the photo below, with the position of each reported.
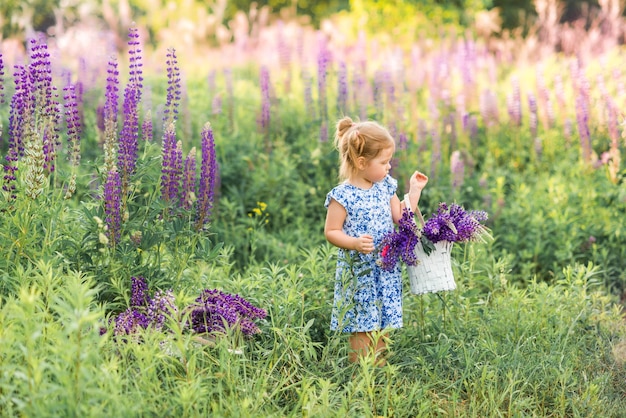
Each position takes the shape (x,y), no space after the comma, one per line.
(161,226)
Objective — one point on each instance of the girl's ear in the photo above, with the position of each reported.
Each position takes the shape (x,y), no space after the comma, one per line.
(360,163)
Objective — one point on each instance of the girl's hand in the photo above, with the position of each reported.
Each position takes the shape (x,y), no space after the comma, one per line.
(418,182)
(364,244)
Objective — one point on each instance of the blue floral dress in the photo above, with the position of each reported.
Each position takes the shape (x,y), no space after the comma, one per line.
(366,297)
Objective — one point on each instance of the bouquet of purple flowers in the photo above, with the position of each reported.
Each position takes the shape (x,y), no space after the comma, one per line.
(451,223)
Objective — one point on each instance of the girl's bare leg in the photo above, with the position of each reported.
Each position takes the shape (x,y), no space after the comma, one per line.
(364,343)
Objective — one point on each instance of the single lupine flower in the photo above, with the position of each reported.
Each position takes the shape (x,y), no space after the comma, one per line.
(170,177)
(324,131)
(46,105)
(514,103)
(1,82)
(110,116)
(146,127)
(135,65)
(211,82)
(129,137)
(457,169)
(533,122)
(173,98)
(342,89)
(323,63)
(488,104)
(582,119)
(188,192)
(139,292)
(543,97)
(216,105)
(73,123)
(264,118)
(208,178)
(113,206)
(360,93)
(378,91)
(307,81)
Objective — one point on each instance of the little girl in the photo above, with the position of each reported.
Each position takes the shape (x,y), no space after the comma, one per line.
(361,210)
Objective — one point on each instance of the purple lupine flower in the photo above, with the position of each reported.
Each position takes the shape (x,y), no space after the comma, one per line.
(208,178)
(188,192)
(1,80)
(217,311)
(400,244)
(514,103)
(160,307)
(171,167)
(73,123)
(453,223)
(130,322)
(135,65)
(129,136)
(360,95)
(139,292)
(112,206)
(532,115)
(264,118)
(146,127)
(323,63)
(110,112)
(307,80)
(378,91)
(489,107)
(172,101)
(342,89)
(457,169)
(46,105)
(582,118)
(216,105)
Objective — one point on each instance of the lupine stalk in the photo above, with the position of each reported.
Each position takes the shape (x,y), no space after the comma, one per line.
(112,206)
(171,166)
(110,116)
(532,107)
(146,127)
(129,136)
(582,118)
(74,129)
(342,89)
(308,95)
(46,106)
(457,169)
(514,104)
(172,100)
(323,62)
(208,178)
(264,117)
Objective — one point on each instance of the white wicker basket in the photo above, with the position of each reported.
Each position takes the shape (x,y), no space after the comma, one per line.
(433,273)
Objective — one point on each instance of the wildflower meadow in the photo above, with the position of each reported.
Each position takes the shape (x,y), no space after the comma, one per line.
(161,223)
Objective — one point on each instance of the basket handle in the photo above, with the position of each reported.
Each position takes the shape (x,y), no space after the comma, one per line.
(407,205)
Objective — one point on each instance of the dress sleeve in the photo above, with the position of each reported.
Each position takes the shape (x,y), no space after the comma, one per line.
(390,185)
(337,194)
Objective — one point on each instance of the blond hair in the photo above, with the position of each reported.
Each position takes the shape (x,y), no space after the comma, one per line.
(359,139)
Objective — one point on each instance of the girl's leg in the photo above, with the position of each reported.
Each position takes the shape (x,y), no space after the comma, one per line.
(364,343)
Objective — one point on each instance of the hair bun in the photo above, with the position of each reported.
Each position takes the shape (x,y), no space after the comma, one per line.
(343,125)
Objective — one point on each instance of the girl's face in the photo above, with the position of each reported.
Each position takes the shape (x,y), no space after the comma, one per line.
(377,168)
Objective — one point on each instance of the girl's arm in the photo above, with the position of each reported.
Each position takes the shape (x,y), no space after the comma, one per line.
(333,230)
(416,185)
